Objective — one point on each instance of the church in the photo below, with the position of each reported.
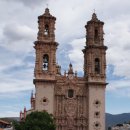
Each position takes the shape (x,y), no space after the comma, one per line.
(77,103)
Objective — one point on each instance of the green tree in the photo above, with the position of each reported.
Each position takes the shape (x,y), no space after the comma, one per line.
(36,121)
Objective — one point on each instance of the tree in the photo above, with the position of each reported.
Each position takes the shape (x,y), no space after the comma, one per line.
(36,121)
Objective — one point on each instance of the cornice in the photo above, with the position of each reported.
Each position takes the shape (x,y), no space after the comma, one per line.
(44,80)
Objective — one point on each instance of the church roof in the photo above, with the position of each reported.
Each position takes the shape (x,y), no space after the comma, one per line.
(47,14)
(95,19)
(4,122)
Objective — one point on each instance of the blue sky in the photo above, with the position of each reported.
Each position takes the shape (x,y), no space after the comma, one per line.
(19,30)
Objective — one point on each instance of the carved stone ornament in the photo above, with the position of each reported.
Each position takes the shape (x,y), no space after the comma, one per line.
(74,86)
(96,53)
(70,107)
(58,90)
(70,123)
(80,91)
(44,101)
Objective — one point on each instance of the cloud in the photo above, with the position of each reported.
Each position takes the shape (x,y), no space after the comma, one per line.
(11,113)
(15,32)
(76,54)
(31,3)
(16,71)
(118,84)
(14,83)
(18,38)
(116,31)
(119,47)
(13,102)
(19,31)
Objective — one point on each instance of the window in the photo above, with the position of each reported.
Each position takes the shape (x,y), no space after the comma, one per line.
(97,125)
(97,66)
(46,30)
(97,114)
(70,93)
(45,62)
(96,34)
(44,100)
(97,103)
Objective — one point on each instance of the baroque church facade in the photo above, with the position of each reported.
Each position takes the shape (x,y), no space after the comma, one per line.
(77,103)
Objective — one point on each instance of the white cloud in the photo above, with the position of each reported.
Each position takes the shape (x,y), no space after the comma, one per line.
(76,54)
(116,30)
(19,24)
(18,38)
(119,47)
(15,83)
(11,113)
(71,18)
(15,32)
(15,86)
(118,84)
(29,3)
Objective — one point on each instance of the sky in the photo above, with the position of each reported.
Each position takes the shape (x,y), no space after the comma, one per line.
(18,32)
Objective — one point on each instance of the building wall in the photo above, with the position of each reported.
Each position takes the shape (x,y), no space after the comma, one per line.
(85,109)
(71,113)
(45,97)
(96,104)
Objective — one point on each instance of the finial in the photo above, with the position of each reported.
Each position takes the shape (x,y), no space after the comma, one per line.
(24,109)
(94,16)
(70,65)
(47,12)
(70,71)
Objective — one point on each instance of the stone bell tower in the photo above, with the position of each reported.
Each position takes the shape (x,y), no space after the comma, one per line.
(45,65)
(77,103)
(95,73)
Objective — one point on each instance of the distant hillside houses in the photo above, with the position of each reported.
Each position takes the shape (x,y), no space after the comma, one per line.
(121,127)
(4,125)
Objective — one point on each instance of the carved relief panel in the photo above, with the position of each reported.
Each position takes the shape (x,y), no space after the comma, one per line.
(70,105)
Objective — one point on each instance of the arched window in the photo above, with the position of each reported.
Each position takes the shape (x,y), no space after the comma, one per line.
(46,30)
(70,93)
(97,66)
(45,62)
(96,34)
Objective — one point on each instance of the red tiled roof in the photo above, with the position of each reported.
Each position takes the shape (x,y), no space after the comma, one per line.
(4,122)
